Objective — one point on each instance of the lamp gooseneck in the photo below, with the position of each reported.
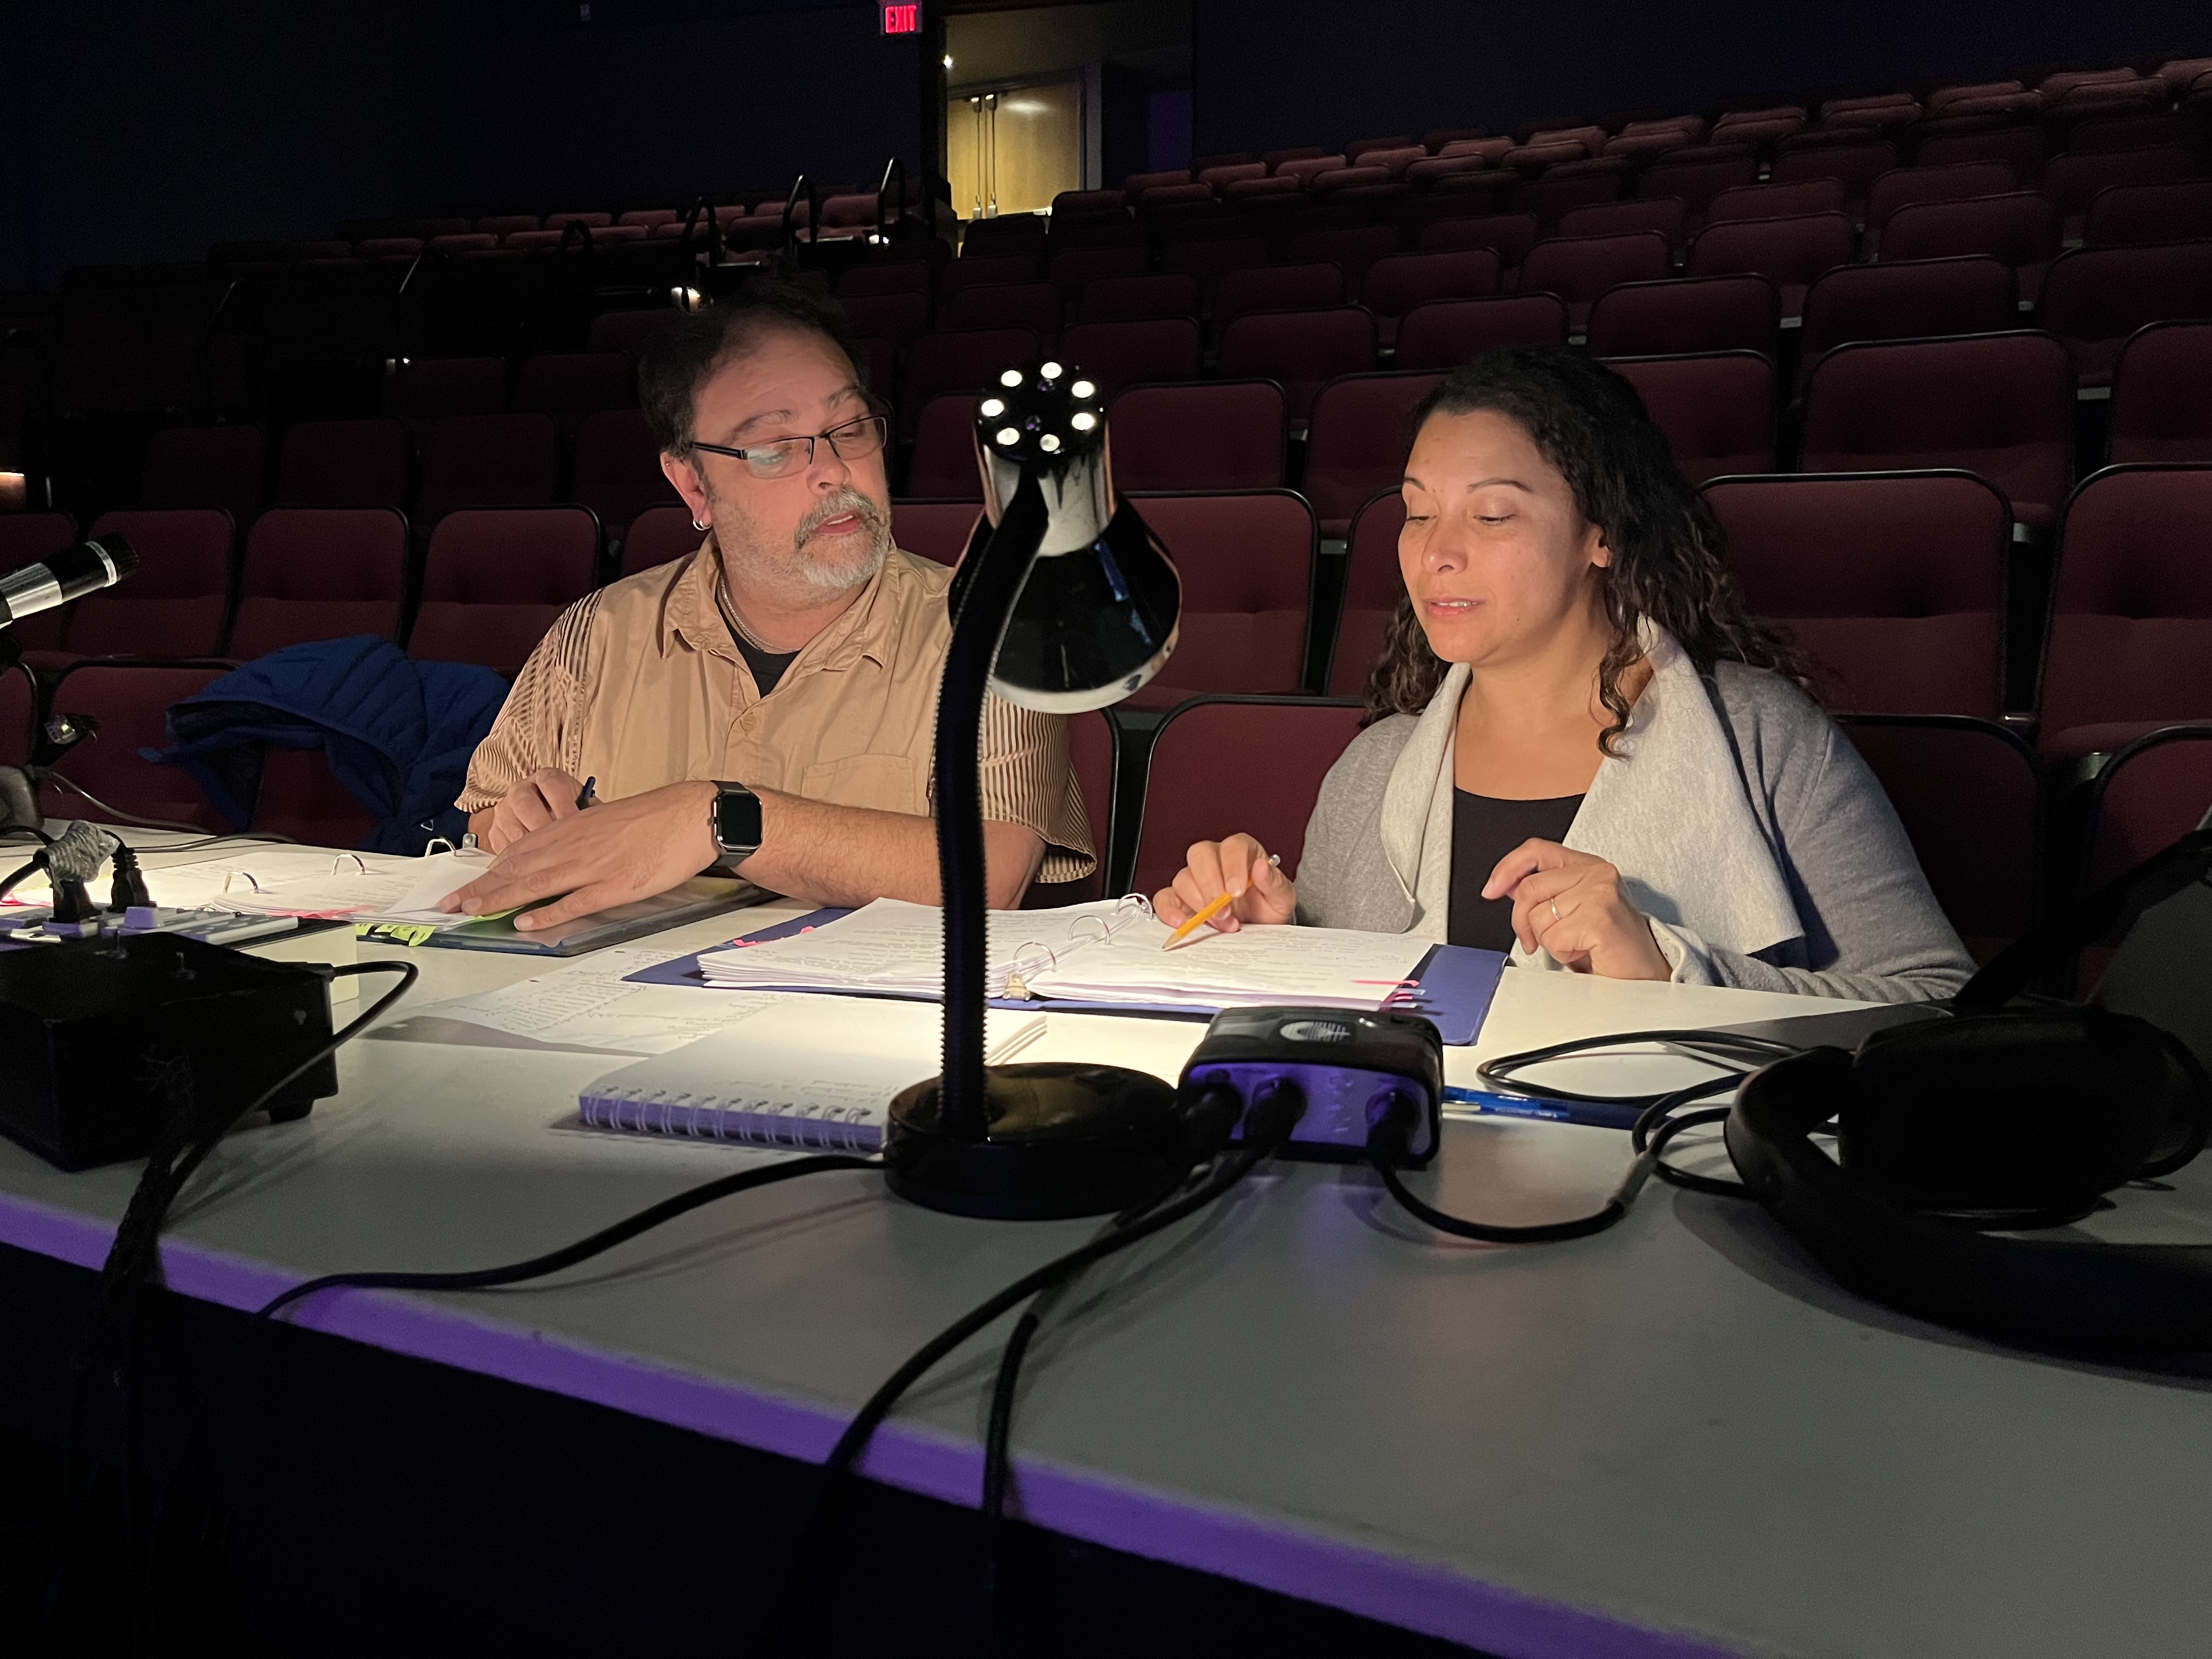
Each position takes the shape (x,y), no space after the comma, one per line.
(1065,602)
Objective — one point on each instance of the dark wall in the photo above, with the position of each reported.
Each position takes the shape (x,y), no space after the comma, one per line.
(135,130)
(1271,72)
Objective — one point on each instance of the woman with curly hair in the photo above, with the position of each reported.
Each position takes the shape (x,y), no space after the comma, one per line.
(1581,750)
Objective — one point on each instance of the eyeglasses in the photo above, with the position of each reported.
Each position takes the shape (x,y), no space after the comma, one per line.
(786,456)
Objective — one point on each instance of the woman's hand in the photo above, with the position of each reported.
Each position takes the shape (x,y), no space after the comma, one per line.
(1571,904)
(1239,865)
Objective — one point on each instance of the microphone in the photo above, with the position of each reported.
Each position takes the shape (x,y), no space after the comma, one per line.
(85,569)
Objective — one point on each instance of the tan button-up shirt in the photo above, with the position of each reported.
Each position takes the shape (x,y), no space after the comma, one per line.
(639,684)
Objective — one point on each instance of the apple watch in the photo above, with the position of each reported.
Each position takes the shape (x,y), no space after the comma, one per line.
(735,819)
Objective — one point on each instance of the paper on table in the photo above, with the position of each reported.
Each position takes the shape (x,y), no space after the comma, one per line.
(893,947)
(1107,952)
(1332,966)
(585,1005)
(237,879)
(368,887)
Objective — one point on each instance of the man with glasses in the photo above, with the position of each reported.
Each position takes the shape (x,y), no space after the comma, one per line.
(767,703)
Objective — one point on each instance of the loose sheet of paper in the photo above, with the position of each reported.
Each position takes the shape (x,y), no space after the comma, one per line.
(297,881)
(585,1005)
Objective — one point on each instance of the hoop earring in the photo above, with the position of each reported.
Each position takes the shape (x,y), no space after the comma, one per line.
(697,524)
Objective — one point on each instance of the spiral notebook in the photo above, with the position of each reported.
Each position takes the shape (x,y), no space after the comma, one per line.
(803,1074)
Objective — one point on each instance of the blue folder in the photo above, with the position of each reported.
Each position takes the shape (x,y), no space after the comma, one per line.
(1454,983)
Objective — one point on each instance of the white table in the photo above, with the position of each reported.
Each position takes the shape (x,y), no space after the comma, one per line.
(1675,1438)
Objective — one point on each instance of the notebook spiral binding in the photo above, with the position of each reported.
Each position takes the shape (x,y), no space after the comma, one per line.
(780,1125)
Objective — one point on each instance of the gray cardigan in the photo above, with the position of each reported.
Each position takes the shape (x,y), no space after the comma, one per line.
(1760,847)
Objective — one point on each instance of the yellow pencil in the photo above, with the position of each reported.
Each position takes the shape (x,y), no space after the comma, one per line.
(1220,902)
(1198,920)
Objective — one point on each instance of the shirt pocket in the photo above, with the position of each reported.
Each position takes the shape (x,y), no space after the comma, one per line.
(884,782)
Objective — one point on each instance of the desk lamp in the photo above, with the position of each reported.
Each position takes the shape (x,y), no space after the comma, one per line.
(1065,602)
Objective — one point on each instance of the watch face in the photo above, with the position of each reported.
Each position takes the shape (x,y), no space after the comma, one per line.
(737,818)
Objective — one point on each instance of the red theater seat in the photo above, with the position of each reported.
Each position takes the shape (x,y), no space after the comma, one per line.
(1223,765)
(1893,583)
(935,529)
(1686,314)
(618,471)
(1716,409)
(1357,440)
(1372,589)
(2160,409)
(486,460)
(224,467)
(1918,299)
(1445,333)
(1968,793)
(1998,404)
(1301,350)
(320,573)
(2131,623)
(658,535)
(104,778)
(496,579)
(1247,564)
(1219,434)
(177,603)
(343,464)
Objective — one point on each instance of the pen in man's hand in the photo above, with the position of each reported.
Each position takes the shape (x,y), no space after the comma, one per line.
(583,796)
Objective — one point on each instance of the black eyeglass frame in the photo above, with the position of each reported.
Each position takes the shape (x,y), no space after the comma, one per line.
(880,421)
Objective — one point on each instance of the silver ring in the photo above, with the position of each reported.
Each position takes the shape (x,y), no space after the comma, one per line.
(1555,909)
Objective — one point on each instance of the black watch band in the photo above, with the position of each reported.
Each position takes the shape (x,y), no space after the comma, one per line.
(735,819)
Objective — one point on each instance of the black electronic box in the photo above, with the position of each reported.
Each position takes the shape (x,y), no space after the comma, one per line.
(102,1040)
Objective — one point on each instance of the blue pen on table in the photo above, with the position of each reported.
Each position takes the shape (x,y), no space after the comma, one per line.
(1591,1113)
(583,796)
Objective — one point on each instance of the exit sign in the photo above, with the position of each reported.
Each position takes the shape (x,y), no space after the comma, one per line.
(901,19)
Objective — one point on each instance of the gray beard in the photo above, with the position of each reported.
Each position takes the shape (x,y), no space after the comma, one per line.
(798,566)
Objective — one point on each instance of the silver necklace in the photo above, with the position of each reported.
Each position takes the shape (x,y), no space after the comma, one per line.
(729,607)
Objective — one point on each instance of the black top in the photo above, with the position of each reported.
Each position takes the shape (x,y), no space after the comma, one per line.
(767,666)
(1484,830)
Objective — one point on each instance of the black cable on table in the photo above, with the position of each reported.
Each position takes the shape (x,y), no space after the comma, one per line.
(1715,1047)
(515,1273)
(583,1250)
(1267,1124)
(133,1257)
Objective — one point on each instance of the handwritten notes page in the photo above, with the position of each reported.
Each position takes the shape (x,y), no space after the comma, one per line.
(898,949)
(1108,951)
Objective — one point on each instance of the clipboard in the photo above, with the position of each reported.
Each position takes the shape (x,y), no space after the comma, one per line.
(697,899)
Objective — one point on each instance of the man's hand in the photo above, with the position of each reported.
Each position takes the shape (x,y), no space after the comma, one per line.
(546,796)
(614,852)
(1571,904)
(1239,865)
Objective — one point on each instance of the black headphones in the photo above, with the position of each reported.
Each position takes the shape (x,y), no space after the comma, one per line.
(1998,1118)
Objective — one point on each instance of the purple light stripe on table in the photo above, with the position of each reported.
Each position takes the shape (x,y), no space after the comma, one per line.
(1297,1561)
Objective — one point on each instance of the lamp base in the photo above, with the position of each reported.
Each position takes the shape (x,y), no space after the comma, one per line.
(1064,1140)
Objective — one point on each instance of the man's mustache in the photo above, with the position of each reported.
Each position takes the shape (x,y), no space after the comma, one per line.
(836,506)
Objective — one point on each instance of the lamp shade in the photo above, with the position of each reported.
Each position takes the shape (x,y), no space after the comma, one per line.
(1096,615)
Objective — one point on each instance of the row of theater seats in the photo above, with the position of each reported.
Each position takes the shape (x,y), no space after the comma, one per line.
(1901,587)
(1977,809)
(1793,236)
(2005,398)
(2001,405)
(605,461)
(2075,110)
